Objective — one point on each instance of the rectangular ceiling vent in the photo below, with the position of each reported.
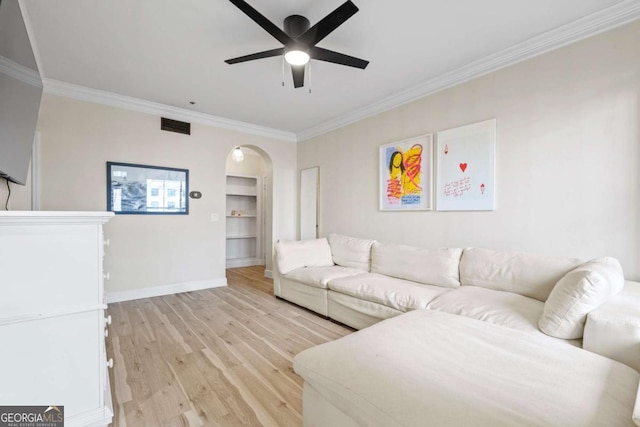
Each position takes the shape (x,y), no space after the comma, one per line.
(175,126)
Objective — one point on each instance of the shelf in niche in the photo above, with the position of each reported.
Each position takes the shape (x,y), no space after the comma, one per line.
(242,195)
(241,237)
(243,258)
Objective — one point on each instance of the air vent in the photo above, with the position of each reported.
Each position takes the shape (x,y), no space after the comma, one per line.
(175,126)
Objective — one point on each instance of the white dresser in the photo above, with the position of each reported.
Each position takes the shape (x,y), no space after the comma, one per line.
(52,318)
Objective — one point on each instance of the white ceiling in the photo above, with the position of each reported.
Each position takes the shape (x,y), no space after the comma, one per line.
(172,52)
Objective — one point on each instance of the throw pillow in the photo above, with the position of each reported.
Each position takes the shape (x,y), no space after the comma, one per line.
(304,253)
(351,251)
(580,291)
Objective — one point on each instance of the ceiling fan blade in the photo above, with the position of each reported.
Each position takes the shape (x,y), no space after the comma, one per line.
(259,19)
(329,23)
(298,75)
(337,58)
(259,55)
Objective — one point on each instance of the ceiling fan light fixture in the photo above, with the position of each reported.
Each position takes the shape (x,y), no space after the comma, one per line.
(299,40)
(297,57)
(237,155)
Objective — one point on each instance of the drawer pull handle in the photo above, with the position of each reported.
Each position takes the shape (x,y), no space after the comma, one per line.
(107,276)
(106,333)
(107,242)
(110,363)
(107,320)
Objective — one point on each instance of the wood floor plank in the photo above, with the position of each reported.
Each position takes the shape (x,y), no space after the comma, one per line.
(275,320)
(213,341)
(264,418)
(122,389)
(283,339)
(240,334)
(141,409)
(239,412)
(120,322)
(273,403)
(216,357)
(207,390)
(318,325)
(272,375)
(159,376)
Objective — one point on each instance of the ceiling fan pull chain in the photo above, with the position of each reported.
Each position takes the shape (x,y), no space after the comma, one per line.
(283,71)
(309,78)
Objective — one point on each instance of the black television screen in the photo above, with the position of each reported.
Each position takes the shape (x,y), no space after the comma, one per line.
(20,94)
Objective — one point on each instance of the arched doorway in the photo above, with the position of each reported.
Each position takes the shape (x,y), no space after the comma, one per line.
(249,208)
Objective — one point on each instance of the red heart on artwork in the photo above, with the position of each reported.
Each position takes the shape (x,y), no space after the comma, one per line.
(463,166)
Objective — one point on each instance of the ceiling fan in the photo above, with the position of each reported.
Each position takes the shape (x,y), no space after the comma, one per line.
(299,39)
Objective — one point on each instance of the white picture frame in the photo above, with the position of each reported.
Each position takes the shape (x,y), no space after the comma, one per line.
(406,175)
(465,167)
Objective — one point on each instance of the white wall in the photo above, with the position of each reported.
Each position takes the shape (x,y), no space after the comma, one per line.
(568,164)
(251,165)
(78,138)
(20,199)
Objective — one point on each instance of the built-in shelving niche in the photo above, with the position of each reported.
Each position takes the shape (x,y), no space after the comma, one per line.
(243,219)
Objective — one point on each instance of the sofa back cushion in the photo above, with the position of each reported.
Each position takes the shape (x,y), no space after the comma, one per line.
(580,291)
(526,274)
(303,253)
(351,252)
(437,267)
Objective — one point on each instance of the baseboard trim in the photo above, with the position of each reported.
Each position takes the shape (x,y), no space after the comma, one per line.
(244,262)
(94,417)
(157,291)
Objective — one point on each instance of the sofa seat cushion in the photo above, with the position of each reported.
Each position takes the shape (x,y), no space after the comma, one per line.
(395,293)
(319,277)
(427,266)
(351,251)
(500,308)
(355,312)
(522,273)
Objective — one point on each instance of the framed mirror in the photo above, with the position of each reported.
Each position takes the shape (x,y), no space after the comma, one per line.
(147,190)
(309,186)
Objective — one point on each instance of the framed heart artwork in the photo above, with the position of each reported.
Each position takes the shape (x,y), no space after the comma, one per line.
(465,168)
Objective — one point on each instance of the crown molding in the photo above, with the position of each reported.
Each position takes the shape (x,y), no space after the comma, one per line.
(69,90)
(19,72)
(599,22)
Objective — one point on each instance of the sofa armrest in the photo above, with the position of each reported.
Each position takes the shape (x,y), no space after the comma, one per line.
(277,290)
(613,329)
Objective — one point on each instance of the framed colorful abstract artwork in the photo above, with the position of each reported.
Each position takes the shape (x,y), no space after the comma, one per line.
(465,168)
(406,174)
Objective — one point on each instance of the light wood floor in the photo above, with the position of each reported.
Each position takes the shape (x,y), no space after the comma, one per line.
(218,357)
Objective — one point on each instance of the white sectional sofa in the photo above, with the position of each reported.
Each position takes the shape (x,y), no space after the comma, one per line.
(472,337)
(431,369)
(360,282)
